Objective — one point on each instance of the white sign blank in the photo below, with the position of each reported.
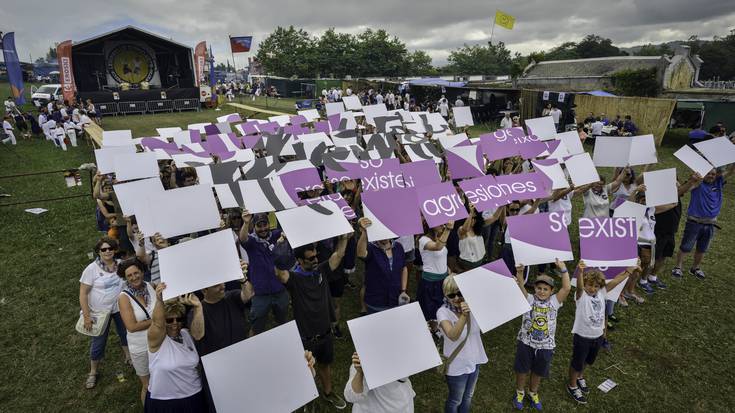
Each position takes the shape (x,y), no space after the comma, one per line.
(661,187)
(719,151)
(352,102)
(179,211)
(462,116)
(305,224)
(494,299)
(581,169)
(199,263)
(393,344)
(571,141)
(642,150)
(168,132)
(129,166)
(542,127)
(130,194)
(117,137)
(310,114)
(334,108)
(105,157)
(693,160)
(612,151)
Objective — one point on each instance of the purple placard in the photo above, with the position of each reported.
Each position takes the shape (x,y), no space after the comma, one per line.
(156,143)
(499,144)
(337,198)
(605,242)
(252,141)
(420,173)
(322,126)
(609,272)
(530,185)
(531,146)
(380,174)
(394,212)
(268,127)
(440,204)
(298,120)
(351,170)
(465,161)
(300,180)
(499,267)
(248,128)
(216,146)
(539,238)
(484,193)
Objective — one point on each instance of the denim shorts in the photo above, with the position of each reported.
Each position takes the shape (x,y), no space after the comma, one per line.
(701,234)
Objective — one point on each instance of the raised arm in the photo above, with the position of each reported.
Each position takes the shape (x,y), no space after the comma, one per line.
(500,212)
(157,330)
(566,285)
(246,287)
(454,331)
(616,184)
(582,189)
(441,241)
(623,275)
(520,279)
(339,252)
(362,241)
(580,279)
(196,327)
(245,229)
(467,224)
(694,180)
(561,193)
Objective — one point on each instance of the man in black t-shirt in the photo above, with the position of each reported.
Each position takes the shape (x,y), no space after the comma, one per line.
(313,309)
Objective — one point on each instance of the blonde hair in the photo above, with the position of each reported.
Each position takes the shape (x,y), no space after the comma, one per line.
(174,308)
(594,277)
(449,285)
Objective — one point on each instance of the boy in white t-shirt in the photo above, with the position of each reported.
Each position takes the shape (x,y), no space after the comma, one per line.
(536,338)
(589,324)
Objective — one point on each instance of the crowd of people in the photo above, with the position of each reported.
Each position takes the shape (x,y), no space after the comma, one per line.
(164,340)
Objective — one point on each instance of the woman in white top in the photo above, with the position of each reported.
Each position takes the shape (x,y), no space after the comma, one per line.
(394,397)
(136,304)
(455,322)
(174,385)
(99,288)
(597,197)
(471,243)
(628,185)
(433,250)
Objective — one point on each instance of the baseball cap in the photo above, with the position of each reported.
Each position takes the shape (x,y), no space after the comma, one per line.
(543,278)
(260,217)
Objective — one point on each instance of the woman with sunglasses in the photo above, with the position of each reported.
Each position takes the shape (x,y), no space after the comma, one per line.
(455,323)
(99,288)
(175,384)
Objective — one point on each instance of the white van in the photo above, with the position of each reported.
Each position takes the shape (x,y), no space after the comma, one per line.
(46,93)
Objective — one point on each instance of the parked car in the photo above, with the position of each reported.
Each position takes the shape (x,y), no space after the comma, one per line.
(44,94)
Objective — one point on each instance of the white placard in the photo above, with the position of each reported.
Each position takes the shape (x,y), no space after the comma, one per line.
(571,141)
(632,209)
(581,169)
(642,150)
(199,263)
(373,111)
(179,211)
(106,157)
(311,223)
(693,160)
(198,126)
(281,120)
(310,114)
(117,137)
(129,166)
(661,187)
(612,151)
(267,373)
(553,172)
(335,107)
(168,132)
(718,151)
(226,118)
(494,299)
(542,127)
(462,116)
(225,196)
(183,137)
(161,154)
(352,102)
(130,194)
(450,141)
(255,200)
(393,344)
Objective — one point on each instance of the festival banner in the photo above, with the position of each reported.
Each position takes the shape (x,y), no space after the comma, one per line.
(465,161)
(440,204)
(200,59)
(608,241)
(66,74)
(240,44)
(393,212)
(539,238)
(12,66)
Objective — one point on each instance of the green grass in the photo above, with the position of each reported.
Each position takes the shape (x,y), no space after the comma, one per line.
(670,354)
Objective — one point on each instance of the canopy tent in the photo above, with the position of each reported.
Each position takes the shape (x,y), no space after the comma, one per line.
(435,81)
(597,93)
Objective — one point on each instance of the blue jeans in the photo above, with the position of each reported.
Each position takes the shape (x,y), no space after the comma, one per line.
(461,389)
(261,306)
(97,347)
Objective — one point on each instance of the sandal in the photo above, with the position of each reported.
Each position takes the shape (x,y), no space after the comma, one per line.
(91,381)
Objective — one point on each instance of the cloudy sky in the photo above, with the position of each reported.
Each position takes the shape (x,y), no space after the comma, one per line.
(434,26)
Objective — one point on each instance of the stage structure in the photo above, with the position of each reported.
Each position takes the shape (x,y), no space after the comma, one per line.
(130,70)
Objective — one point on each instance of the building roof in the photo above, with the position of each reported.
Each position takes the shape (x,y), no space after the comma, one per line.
(127,28)
(594,67)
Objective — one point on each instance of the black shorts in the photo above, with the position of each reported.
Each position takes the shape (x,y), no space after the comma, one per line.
(665,245)
(584,351)
(322,348)
(529,359)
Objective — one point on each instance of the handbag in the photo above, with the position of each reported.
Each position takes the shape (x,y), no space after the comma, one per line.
(99,323)
(446,361)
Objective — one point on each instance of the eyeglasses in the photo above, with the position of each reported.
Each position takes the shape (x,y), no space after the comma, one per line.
(172,320)
(107,249)
(454,295)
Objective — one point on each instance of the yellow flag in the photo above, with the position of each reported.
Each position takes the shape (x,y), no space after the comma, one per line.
(504,20)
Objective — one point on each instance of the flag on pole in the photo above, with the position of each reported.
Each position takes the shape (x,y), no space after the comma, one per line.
(504,20)
(240,44)
(212,77)
(12,65)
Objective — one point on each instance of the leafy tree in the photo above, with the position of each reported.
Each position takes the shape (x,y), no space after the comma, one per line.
(595,46)
(287,52)
(51,54)
(642,82)
(418,63)
(719,58)
(478,59)
(653,50)
(379,54)
(335,54)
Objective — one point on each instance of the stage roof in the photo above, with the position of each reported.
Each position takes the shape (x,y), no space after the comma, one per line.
(132,30)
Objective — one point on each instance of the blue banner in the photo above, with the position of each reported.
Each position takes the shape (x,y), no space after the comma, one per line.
(12,64)
(212,80)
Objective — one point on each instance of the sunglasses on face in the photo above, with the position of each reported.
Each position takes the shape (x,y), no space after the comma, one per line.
(172,320)
(454,295)
(107,249)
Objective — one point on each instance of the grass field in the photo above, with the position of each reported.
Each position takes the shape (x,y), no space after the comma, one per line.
(670,354)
